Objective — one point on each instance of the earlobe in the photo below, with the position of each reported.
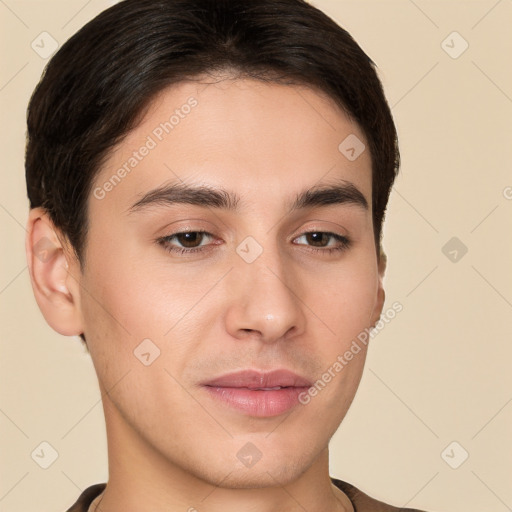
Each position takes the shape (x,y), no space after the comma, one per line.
(55,288)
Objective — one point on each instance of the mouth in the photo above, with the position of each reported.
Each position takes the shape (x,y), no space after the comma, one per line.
(256,393)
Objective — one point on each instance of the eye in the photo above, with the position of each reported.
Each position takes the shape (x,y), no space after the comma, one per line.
(322,239)
(190,241)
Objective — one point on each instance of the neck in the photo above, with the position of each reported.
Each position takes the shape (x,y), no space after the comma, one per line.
(141,478)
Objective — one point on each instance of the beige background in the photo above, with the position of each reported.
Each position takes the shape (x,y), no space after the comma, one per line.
(438,373)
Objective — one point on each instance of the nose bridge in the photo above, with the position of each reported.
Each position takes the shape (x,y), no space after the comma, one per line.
(265,300)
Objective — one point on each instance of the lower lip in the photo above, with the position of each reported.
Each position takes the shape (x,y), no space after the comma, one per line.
(258,403)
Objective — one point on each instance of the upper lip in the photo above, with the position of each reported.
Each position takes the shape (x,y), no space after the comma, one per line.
(254,379)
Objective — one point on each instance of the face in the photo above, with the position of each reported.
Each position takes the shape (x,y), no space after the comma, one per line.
(261,281)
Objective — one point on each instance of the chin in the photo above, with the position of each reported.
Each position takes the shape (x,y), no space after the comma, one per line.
(262,478)
(275,470)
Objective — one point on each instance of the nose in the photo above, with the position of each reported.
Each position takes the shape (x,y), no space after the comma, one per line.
(265,301)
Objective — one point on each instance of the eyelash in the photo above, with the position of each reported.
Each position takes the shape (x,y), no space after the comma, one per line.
(164,242)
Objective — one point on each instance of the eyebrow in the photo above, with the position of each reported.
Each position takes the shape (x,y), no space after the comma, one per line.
(207,197)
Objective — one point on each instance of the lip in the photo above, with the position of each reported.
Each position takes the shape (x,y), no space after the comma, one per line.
(243,391)
(253,379)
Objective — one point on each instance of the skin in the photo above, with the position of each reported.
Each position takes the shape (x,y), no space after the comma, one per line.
(171,446)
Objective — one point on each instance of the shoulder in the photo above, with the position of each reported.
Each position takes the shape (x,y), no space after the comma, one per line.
(364,503)
(86,498)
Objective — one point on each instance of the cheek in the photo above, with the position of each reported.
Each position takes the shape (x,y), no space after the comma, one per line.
(344,299)
(119,313)
(129,300)
(132,308)
(122,296)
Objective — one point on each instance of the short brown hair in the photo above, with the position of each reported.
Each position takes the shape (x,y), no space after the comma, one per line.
(94,89)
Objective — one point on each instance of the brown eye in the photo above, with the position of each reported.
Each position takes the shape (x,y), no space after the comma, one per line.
(322,238)
(189,241)
(318,239)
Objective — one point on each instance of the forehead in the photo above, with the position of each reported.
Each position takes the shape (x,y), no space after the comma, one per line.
(262,139)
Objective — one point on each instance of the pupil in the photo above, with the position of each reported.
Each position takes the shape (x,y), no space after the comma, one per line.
(316,237)
(189,239)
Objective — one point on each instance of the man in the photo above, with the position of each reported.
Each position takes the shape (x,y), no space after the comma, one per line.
(207,182)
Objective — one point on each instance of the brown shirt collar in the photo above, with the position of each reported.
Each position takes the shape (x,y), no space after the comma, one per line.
(360,501)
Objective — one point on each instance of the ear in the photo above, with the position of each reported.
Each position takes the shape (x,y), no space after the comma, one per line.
(54,274)
(381,294)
